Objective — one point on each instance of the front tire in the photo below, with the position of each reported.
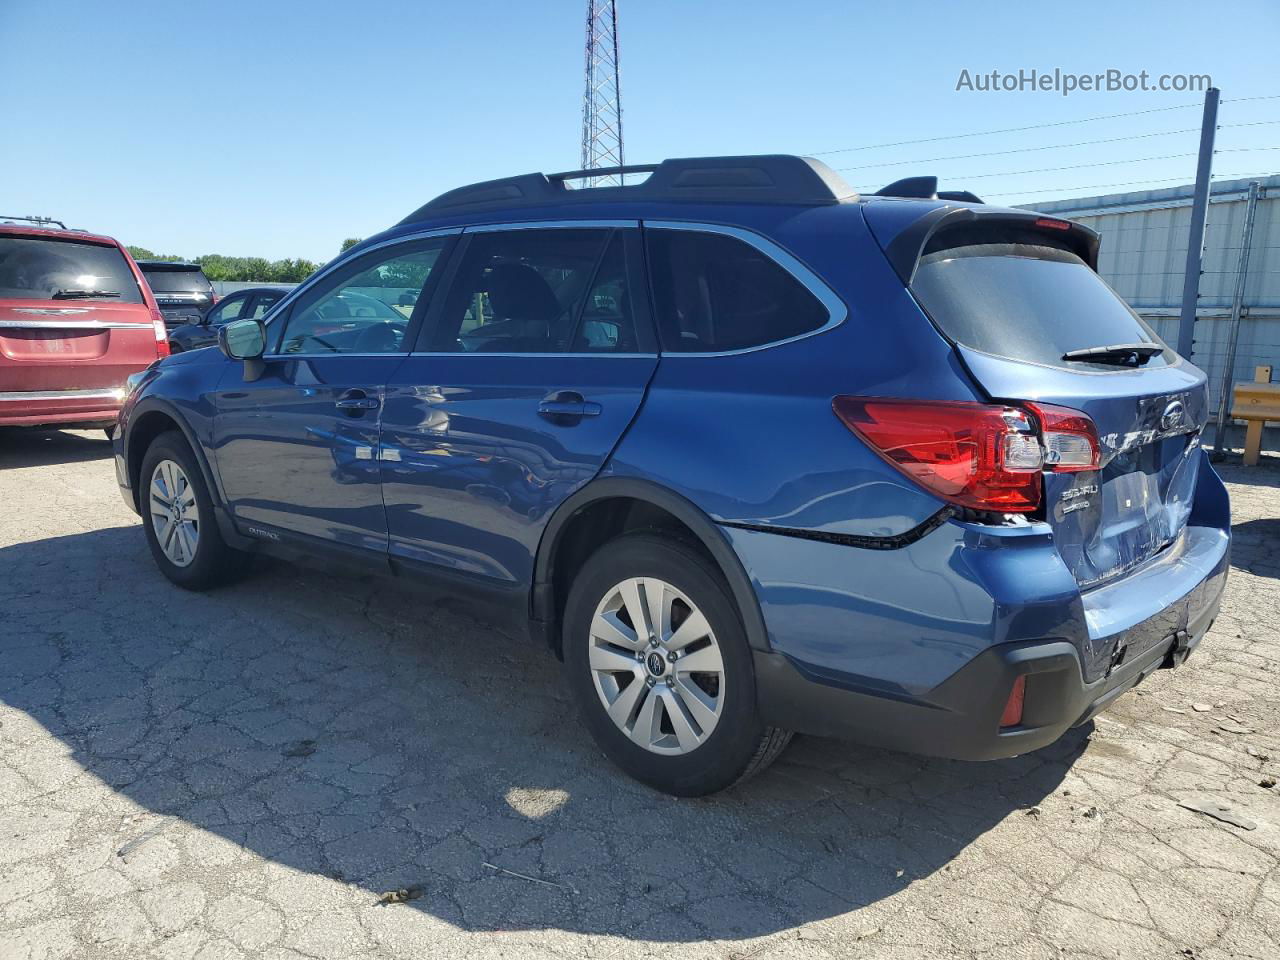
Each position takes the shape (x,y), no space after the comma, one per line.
(659,665)
(177,515)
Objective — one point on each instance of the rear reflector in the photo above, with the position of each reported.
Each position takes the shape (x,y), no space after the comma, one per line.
(1012,715)
(978,455)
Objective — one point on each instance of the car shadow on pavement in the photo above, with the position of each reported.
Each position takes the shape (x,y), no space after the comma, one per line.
(370,740)
(1252,546)
(28,447)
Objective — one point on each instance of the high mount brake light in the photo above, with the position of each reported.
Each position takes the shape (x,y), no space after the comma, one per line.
(1053,224)
(984,456)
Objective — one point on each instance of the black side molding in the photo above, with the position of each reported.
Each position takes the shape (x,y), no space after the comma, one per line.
(896,542)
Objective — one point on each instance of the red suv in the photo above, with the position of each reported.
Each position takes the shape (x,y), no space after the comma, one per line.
(76,318)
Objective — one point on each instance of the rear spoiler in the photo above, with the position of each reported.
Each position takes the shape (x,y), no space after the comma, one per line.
(905,250)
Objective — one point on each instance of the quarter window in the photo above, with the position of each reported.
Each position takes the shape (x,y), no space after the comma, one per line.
(540,291)
(714,292)
(367,307)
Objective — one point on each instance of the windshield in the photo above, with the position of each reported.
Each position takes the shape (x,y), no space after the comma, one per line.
(1027,302)
(167,280)
(46,268)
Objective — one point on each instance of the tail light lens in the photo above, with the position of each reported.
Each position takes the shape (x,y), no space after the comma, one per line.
(162,333)
(984,456)
(1070,438)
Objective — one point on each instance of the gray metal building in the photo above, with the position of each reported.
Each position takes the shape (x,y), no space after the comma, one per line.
(1144,250)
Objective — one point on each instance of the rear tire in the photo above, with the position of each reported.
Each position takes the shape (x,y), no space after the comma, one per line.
(659,665)
(177,515)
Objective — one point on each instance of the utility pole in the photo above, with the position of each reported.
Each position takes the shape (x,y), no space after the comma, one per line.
(1233,332)
(1199,210)
(602,101)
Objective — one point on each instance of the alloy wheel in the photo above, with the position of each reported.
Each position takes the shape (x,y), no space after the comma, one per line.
(656,666)
(174,516)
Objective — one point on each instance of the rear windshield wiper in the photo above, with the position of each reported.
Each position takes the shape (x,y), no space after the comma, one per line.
(1120,354)
(83,294)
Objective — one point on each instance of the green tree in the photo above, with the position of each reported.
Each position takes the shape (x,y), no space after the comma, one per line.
(348,243)
(216,266)
(142,253)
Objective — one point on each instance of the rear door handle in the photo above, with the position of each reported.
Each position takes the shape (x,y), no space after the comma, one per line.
(357,400)
(563,405)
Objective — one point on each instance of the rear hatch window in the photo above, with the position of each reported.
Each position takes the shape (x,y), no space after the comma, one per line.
(1029,301)
(176,279)
(50,268)
(1018,304)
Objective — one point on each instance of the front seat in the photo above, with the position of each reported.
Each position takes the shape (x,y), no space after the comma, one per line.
(520,296)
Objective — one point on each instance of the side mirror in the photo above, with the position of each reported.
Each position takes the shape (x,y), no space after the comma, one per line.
(244,340)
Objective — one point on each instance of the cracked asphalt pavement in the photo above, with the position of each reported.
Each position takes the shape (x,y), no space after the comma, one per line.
(243,773)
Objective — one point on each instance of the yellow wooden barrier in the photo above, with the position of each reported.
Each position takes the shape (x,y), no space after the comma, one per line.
(1256,403)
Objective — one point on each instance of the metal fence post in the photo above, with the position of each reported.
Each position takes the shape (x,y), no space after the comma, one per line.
(1233,332)
(1195,239)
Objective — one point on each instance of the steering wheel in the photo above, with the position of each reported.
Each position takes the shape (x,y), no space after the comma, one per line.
(382,337)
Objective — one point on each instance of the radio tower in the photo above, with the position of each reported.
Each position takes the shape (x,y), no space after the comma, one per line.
(602,101)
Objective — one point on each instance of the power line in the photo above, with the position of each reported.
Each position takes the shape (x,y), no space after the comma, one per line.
(988,133)
(1125,183)
(1251,123)
(1074,166)
(1000,153)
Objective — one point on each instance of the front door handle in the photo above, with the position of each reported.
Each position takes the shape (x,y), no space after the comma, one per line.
(565,406)
(357,400)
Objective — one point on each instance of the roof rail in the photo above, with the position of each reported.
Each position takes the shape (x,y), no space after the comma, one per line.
(38,221)
(767,178)
(925,188)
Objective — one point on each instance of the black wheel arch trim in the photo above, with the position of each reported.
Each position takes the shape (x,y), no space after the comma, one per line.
(147,405)
(542,597)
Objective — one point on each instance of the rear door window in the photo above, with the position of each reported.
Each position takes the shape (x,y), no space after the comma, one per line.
(47,268)
(264,302)
(232,308)
(555,290)
(1027,301)
(716,293)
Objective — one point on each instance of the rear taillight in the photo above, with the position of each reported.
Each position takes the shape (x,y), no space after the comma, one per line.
(1069,436)
(162,333)
(979,455)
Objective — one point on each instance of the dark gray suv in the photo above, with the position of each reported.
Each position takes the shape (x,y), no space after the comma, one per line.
(182,290)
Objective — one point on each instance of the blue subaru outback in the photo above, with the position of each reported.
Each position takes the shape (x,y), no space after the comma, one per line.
(750,453)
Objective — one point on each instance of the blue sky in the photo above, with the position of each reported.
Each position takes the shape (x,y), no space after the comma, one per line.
(279,128)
